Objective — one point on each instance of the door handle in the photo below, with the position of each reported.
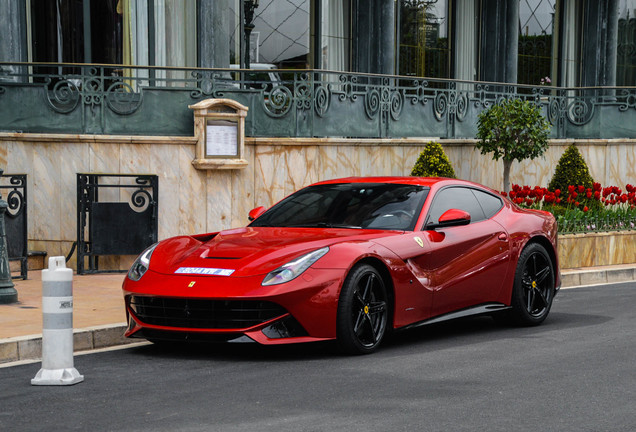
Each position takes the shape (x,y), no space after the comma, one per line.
(503,237)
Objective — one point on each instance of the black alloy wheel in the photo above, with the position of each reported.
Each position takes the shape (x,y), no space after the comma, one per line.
(362,311)
(533,289)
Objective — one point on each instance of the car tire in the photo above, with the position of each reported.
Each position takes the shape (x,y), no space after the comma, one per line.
(533,289)
(363,311)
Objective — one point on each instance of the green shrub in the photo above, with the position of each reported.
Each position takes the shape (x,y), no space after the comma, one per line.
(571,170)
(433,162)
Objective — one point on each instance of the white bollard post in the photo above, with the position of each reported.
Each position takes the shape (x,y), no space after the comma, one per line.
(57,326)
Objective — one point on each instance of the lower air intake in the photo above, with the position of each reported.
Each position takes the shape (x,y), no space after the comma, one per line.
(203,313)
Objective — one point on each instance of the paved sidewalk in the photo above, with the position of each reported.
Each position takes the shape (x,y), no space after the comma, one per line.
(99,316)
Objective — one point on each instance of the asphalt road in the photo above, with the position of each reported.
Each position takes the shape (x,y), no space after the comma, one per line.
(576,372)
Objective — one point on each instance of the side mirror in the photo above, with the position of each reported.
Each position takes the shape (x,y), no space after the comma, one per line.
(254,213)
(451,218)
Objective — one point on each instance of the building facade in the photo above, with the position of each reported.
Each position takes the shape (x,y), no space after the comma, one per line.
(441,60)
(357,88)
(574,43)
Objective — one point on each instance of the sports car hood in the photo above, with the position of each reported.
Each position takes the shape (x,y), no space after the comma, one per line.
(251,251)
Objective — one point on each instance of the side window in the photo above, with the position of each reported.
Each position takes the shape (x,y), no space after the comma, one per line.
(489,203)
(455,198)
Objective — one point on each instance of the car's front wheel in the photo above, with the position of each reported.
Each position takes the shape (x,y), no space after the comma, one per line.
(533,289)
(362,311)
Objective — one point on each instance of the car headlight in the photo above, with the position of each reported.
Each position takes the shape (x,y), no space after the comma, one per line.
(141,264)
(294,268)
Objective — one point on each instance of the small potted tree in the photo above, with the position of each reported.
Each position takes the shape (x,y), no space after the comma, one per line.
(512,130)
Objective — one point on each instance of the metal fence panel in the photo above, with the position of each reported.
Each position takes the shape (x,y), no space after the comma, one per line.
(116,215)
(107,99)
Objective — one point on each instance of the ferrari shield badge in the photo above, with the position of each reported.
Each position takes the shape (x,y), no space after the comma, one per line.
(419,241)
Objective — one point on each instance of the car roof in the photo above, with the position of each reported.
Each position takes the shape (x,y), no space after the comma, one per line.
(421,181)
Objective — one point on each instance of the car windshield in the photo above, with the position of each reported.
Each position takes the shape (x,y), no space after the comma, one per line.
(349,205)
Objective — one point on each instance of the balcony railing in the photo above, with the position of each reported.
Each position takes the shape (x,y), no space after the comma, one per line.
(115,99)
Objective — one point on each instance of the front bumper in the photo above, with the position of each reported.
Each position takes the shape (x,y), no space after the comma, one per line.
(229,309)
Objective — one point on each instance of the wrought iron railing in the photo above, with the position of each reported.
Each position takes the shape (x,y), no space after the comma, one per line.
(115,99)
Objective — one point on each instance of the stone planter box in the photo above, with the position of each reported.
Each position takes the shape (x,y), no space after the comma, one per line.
(597,249)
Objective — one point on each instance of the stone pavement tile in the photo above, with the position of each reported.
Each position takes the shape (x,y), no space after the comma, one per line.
(570,280)
(97,300)
(82,340)
(30,348)
(620,275)
(110,336)
(9,351)
(593,277)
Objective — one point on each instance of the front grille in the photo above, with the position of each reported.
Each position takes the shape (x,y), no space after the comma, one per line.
(203,313)
(184,336)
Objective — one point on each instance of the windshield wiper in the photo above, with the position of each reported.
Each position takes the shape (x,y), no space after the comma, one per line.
(332,225)
(323,225)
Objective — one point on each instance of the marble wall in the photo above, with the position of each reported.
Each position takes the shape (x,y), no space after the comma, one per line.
(597,249)
(192,200)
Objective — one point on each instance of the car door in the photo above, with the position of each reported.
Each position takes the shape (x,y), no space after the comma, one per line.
(467,264)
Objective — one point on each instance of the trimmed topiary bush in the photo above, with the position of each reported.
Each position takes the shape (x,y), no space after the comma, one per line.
(571,170)
(433,162)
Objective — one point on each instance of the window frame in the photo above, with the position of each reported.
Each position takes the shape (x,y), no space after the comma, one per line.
(436,197)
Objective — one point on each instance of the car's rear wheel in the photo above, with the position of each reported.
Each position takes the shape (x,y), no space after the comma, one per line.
(362,311)
(533,289)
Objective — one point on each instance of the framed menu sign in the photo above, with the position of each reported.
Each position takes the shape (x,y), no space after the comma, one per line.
(219,129)
(221,138)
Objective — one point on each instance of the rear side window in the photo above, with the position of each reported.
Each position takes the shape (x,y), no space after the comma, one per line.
(461,198)
(491,204)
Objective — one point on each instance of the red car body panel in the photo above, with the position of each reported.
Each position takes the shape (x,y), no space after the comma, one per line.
(428,272)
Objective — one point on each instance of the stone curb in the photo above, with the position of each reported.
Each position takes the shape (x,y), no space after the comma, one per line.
(578,277)
(30,347)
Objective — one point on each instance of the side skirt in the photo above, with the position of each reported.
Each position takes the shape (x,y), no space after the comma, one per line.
(483,309)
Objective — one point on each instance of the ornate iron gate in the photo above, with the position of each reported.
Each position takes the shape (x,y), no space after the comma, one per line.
(116,215)
(16,219)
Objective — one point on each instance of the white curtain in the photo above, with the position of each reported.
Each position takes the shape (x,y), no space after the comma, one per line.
(135,40)
(334,35)
(175,38)
(466,42)
(571,34)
